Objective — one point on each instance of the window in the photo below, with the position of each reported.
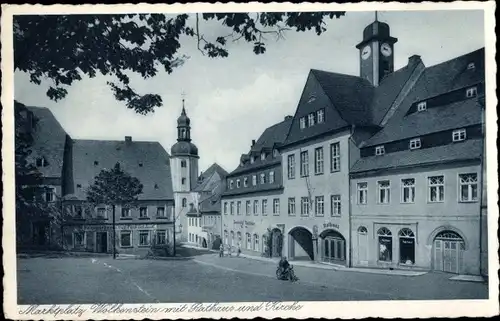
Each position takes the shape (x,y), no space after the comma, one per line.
(422,106)
(41,162)
(249,241)
(78,211)
(255,242)
(245,182)
(380,150)
(125,212)
(252,159)
(320,205)
(184,202)
(238,208)
(335,157)
(160,212)
(471,66)
(436,189)
(304,206)
(271,177)
(385,244)
(264,207)
(144,238)
(384,192)
(311,119)
(248,208)
(276,206)
(49,194)
(231,184)
(304,164)
(276,153)
(255,207)
(406,246)
(161,237)
(225,208)
(415,143)
(183,163)
(459,135)
(262,178)
(254,180)
(101,212)
(468,187)
(471,92)
(291,206)
(362,192)
(263,156)
(408,190)
(96,163)
(320,115)
(318,161)
(291,166)
(231,208)
(79,239)
(183,181)
(336,205)
(125,238)
(302,122)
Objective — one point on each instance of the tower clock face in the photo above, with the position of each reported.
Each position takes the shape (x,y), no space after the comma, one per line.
(386,49)
(366,52)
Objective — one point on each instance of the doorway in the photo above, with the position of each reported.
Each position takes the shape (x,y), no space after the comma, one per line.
(448,247)
(102,242)
(41,232)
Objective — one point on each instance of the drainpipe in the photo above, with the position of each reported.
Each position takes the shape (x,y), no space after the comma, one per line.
(349,195)
(483,154)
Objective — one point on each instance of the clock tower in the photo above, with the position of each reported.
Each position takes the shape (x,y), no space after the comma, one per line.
(376,52)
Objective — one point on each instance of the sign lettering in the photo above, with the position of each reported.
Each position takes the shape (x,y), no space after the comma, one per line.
(327,225)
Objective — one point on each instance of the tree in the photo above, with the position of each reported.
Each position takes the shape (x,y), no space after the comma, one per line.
(114,187)
(62,48)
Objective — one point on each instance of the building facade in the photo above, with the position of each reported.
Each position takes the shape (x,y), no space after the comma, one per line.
(252,213)
(417,188)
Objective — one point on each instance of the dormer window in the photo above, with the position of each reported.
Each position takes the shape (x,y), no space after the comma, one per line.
(141,164)
(422,106)
(252,159)
(459,135)
(379,150)
(311,120)
(415,143)
(238,183)
(156,186)
(320,116)
(276,153)
(41,162)
(245,181)
(96,163)
(471,66)
(231,184)
(311,99)
(302,122)
(471,92)
(263,156)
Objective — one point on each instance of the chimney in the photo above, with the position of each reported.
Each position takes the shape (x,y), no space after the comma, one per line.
(414,60)
(288,117)
(253,142)
(128,139)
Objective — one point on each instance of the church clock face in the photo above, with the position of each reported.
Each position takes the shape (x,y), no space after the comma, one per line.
(366,52)
(386,50)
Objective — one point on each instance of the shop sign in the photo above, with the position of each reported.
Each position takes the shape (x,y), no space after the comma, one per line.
(331,225)
(95,227)
(244,222)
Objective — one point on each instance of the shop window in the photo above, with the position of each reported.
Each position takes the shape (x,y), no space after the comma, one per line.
(385,244)
(125,239)
(406,246)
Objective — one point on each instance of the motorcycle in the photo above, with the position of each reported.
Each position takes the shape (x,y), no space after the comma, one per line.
(288,275)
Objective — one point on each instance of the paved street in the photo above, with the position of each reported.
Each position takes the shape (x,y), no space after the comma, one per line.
(208,278)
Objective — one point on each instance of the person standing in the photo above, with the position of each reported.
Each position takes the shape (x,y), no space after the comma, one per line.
(221,250)
(239,250)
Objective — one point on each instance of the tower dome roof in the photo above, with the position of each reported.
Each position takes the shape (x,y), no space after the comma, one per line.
(184,148)
(376,29)
(183,119)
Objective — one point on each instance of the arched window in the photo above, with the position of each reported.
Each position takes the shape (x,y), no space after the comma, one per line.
(255,242)
(238,236)
(184,202)
(225,237)
(385,244)
(362,230)
(406,246)
(264,244)
(249,241)
(183,163)
(232,238)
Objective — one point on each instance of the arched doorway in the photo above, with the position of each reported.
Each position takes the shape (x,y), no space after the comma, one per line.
(300,245)
(447,249)
(275,243)
(362,245)
(204,243)
(333,247)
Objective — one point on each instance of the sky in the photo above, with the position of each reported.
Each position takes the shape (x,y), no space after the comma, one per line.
(233,100)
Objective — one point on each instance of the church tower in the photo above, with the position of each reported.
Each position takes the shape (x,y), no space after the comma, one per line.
(376,52)
(184,171)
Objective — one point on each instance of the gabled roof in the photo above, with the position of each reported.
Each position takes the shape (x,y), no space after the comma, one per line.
(49,139)
(467,150)
(437,80)
(204,178)
(212,204)
(147,161)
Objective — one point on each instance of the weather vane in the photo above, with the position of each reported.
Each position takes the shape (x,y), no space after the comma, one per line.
(183,95)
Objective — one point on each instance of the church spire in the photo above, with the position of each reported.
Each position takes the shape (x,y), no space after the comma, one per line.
(183,124)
